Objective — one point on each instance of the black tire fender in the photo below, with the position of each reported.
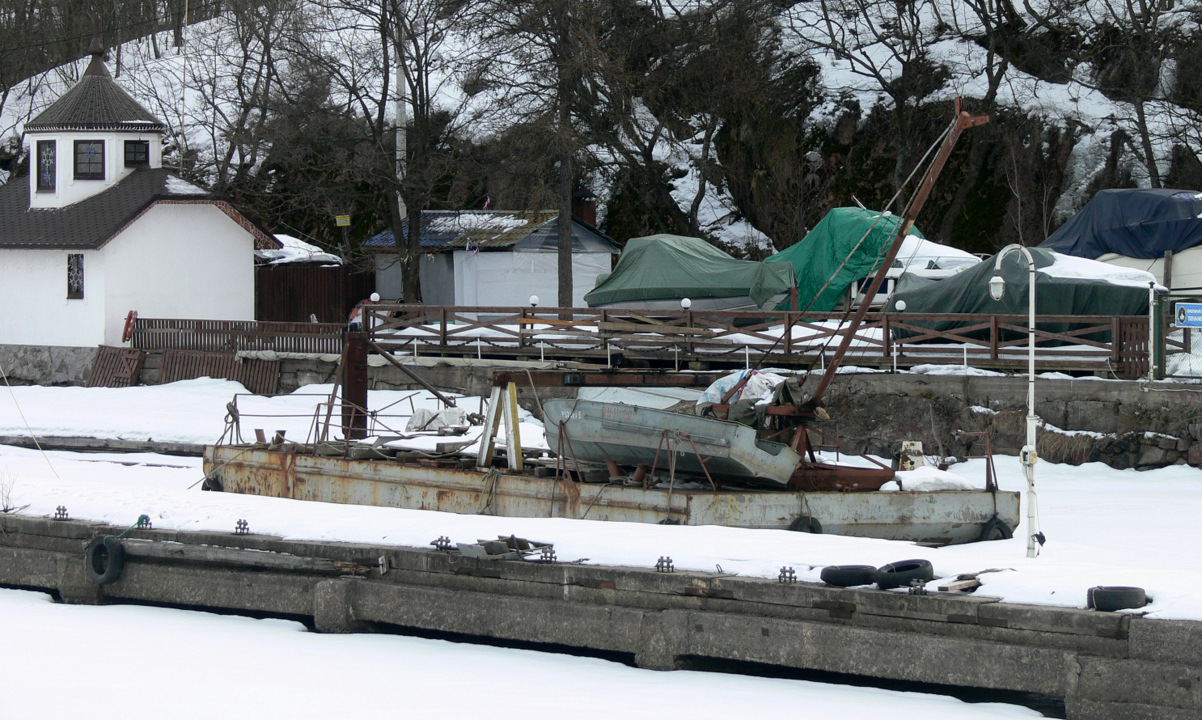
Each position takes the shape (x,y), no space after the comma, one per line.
(212,483)
(848,575)
(104,559)
(996,529)
(903,573)
(806,524)
(1111,598)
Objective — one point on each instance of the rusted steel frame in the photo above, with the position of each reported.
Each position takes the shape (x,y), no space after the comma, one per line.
(990,470)
(962,122)
(412,376)
(840,444)
(616,378)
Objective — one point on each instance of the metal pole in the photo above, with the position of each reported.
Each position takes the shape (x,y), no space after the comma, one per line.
(1152,331)
(1029,455)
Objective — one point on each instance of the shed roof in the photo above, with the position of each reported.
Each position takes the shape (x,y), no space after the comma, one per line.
(447,230)
(90,223)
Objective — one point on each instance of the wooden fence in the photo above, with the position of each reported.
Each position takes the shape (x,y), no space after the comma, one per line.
(231,336)
(293,293)
(1116,345)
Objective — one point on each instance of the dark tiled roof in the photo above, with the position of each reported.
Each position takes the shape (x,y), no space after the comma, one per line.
(96,102)
(87,224)
(446,230)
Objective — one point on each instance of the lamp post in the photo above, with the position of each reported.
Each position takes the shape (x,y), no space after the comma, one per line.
(1028,456)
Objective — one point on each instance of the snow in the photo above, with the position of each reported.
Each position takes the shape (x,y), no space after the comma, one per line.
(295,250)
(1104,526)
(132,661)
(179,186)
(1067,266)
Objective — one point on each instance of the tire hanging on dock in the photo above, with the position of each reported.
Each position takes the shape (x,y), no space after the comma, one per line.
(104,559)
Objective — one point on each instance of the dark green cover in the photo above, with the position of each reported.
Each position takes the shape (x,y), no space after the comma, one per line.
(660,267)
(817,257)
(968,292)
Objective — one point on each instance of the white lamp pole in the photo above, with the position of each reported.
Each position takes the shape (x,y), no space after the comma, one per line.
(1028,456)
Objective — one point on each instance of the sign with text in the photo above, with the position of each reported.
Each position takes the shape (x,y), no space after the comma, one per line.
(342,220)
(1189,314)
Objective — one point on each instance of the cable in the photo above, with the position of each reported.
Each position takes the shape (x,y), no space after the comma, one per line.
(20,412)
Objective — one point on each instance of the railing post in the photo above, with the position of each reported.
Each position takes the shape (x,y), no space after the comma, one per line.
(993,337)
(442,334)
(886,334)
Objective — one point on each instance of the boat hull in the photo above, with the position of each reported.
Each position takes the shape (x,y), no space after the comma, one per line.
(632,435)
(936,518)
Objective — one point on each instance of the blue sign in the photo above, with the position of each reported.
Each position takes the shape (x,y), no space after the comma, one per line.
(1189,314)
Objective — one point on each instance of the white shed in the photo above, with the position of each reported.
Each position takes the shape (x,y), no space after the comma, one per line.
(100,228)
(494,258)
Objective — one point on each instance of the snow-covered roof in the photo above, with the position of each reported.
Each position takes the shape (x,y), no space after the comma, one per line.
(294,250)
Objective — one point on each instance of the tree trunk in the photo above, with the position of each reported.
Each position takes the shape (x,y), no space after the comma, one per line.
(1145,140)
(565,206)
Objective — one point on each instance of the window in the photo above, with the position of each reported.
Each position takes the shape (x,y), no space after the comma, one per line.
(47,149)
(137,152)
(75,276)
(89,159)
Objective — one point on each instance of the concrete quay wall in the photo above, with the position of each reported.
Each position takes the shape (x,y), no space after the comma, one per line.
(1104,665)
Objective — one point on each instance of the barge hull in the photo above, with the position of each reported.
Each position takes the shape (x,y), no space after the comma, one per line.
(939,518)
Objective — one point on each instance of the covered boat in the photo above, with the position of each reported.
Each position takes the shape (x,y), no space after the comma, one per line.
(1152,229)
(658,271)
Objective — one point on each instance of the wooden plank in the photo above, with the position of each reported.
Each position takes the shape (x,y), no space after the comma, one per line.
(115,367)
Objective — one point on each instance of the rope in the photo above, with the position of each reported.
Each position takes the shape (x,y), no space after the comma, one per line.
(142,522)
(20,412)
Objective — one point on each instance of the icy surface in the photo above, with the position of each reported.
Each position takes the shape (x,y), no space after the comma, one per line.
(183,665)
(1104,526)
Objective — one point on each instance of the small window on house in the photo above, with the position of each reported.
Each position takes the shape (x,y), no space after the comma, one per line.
(46,165)
(89,159)
(75,276)
(137,152)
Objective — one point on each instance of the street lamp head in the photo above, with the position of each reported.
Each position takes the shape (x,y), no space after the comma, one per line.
(997,286)
(534,301)
(686,303)
(900,306)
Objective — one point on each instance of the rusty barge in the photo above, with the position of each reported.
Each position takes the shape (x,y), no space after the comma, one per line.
(724,465)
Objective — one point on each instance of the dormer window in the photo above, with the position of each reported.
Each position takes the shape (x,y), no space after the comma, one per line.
(47,170)
(137,153)
(89,159)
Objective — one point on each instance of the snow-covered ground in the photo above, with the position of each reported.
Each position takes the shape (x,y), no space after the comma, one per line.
(140,661)
(1104,526)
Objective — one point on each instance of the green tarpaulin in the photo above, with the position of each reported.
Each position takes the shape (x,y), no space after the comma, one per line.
(1055,294)
(661,267)
(817,257)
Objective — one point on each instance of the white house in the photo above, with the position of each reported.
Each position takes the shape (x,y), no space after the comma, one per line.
(101,228)
(494,258)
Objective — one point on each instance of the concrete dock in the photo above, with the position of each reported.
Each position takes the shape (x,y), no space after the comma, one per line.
(1103,665)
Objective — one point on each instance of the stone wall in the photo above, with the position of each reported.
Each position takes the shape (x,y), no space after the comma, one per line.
(45,365)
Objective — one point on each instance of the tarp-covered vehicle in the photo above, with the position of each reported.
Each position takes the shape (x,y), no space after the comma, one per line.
(1064,285)
(658,271)
(1139,228)
(846,247)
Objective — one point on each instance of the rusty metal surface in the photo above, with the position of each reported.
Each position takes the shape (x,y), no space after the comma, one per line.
(115,367)
(944,517)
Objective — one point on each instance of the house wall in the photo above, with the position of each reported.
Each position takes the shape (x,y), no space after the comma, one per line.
(33,296)
(179,260)
(68,190)
(437,276)
(509,278)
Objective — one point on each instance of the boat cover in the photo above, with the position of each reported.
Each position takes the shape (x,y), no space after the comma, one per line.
(1137,223)
(817,257)
(1063,286)
(660,267)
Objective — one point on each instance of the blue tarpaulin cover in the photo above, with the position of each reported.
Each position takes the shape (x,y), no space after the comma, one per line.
(1138,223)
